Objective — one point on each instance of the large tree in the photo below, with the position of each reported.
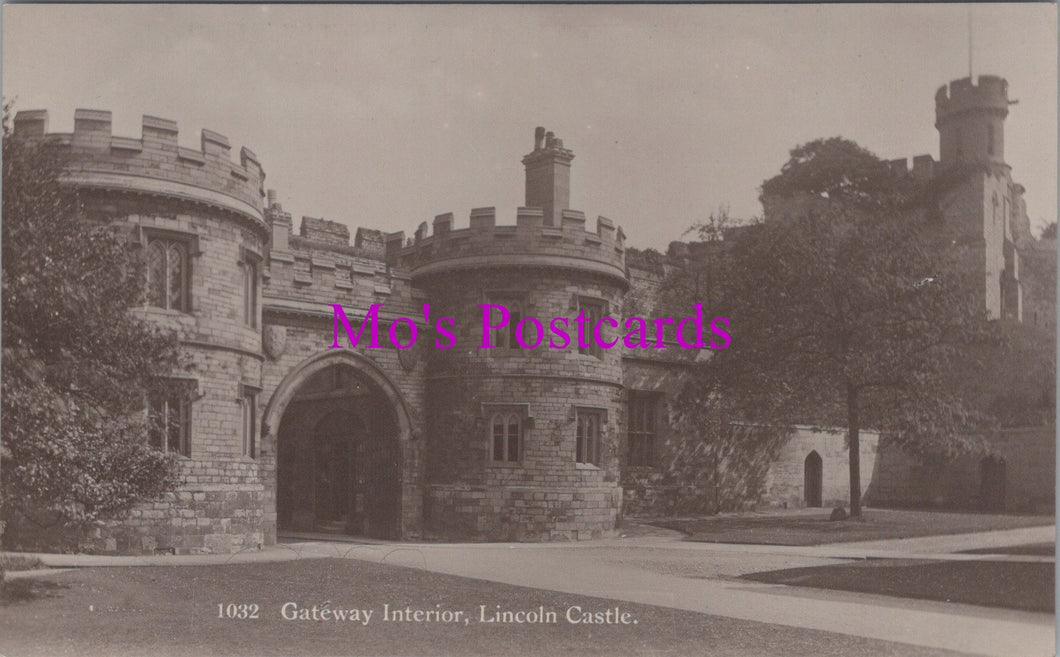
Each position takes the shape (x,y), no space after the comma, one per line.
(77,366)
(848,308)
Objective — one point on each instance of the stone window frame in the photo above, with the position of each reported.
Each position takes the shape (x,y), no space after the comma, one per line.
(504,339)
(182,399)
(588,449)
(603,306)
(250,265)
(491,412)
(188,242)
(644,456)
(249,426)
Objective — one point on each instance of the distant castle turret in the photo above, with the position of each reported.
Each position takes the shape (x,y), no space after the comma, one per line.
(971,120)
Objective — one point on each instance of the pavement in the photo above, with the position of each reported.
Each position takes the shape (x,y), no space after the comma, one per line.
(662,569)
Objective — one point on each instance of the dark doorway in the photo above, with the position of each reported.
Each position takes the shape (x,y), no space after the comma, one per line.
(338,465)
(992,483)
(813,479)
(335,440)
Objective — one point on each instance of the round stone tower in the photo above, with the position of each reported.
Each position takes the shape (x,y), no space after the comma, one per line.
(197,218)
(522,443)
(970,119)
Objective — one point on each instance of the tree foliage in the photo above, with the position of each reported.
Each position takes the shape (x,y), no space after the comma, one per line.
(847,309)
(77,365)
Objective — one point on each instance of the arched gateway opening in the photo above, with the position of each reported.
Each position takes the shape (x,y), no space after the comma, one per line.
(341,426)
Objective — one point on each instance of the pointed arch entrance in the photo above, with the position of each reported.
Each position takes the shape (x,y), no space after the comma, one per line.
(813,479)
(340,427)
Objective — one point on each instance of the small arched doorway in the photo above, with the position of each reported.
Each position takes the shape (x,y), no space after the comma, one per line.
(339,457)
(992,483)
(813,479)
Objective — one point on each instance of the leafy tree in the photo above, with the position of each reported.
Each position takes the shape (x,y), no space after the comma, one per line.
(77,365)
(847,308)
(1049,232)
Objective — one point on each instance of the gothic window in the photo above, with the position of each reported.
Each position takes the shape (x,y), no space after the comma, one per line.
(168,255)
(641,432)
(506,436)
(167,274)
(170,416)
(595,310)
(587,436)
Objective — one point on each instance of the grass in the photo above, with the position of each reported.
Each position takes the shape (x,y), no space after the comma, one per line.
(173,611)
(816,529)
(1008,584)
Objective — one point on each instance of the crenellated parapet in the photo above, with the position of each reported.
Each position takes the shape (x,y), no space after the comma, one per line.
(529,243)
(318,266)
(923,167)
(154,164)
(963,95)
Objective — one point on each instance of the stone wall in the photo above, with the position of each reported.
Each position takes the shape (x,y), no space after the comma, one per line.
(785,485)
(903,480)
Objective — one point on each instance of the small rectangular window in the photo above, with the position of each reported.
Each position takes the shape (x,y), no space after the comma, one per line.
(250,263)
(595,310)
(587,436)
(504,337)
(248,398)
(170,421)
(641,432)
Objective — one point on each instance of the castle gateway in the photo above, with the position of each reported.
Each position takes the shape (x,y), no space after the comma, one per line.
(281,433)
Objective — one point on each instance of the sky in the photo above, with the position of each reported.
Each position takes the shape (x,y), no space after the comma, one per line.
(384,116)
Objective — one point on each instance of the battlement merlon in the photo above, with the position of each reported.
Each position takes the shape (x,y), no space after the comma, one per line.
(154,163)
(990,94)
(923,167)
(531,242)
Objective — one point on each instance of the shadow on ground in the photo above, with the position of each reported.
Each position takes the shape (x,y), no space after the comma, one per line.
(1011,585)
(28,590)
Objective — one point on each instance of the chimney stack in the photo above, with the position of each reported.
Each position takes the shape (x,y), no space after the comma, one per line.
(548,176)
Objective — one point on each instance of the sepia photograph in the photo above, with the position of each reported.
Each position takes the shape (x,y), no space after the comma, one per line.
(528,329)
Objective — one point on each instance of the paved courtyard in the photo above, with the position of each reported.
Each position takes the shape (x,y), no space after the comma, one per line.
(662,570)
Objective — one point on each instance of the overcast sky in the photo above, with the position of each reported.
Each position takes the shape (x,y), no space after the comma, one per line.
(384,116)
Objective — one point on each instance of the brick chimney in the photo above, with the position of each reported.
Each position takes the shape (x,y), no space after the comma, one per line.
(548,176)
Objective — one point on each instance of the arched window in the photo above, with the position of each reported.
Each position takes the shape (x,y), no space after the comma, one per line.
(167,274)
(506,431)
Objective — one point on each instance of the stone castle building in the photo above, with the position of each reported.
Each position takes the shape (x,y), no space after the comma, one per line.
(284,432)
